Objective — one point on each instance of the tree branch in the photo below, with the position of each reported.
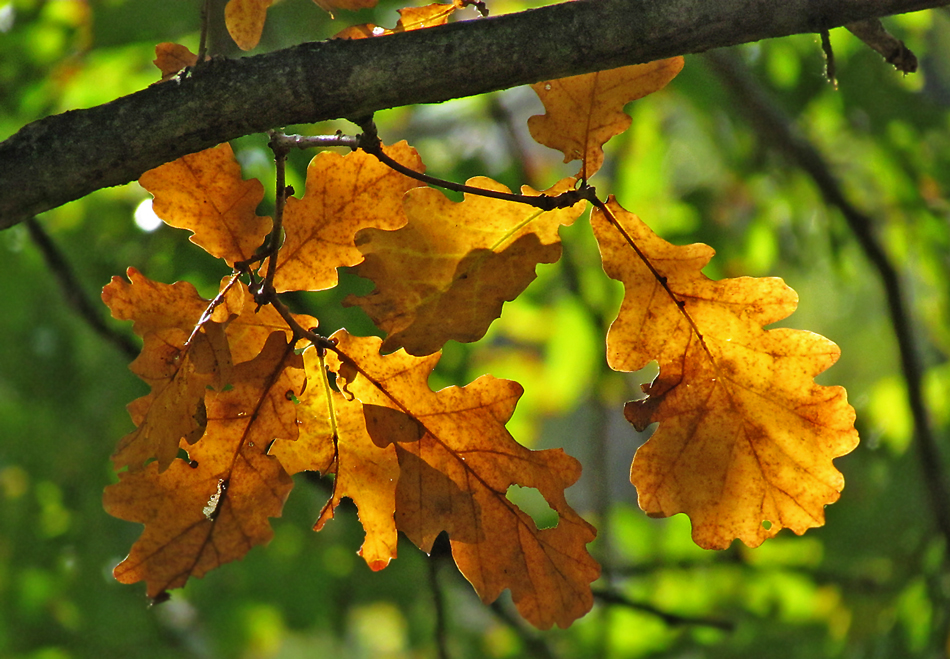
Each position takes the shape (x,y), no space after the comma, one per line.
(67,156)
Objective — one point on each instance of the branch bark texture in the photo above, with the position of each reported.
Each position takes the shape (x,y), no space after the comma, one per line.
(67,156)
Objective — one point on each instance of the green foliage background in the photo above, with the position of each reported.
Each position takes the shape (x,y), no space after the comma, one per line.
(872,583)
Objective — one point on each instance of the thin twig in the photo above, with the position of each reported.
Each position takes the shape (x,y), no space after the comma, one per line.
(280,149)
(283,141)
(535,645)
(873,33)
(369,141)
(775,128)
(441,635)
(673,619)
(74,293)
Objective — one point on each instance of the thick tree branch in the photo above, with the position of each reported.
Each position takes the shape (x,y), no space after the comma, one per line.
(67,156)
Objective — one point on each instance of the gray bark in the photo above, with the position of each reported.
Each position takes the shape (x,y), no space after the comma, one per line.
(64,157)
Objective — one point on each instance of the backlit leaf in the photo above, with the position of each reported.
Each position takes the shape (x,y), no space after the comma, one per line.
(456,463)
(333,439)
(583,112)
(746,438)
(204,192)
(447,273)
(344,194)
(245,21)
(213,508)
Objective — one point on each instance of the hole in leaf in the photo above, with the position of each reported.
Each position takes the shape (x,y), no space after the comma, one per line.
(766,524)
(532,502)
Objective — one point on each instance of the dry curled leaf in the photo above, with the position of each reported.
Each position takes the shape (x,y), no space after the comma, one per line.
(746,438)
(410,18)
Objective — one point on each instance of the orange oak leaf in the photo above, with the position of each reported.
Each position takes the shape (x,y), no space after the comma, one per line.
(181,363)
(171,58)
(178,363)
(583,112)
(410,18)
(344,194)
(456,463)
(746,438)
(333,439)
(447,273)
(245,21)
(214,507)
(204,192)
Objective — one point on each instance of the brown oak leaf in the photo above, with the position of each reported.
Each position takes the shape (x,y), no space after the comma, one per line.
(245,21)
(746,438)
(214,507)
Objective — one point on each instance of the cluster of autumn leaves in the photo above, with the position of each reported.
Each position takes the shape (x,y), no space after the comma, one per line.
(241,398)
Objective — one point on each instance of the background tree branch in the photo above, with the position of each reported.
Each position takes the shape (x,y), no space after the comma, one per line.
(67,156)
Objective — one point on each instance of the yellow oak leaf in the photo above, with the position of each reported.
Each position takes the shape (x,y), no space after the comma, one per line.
(213,508)
(245,21)
(410,18)
(583,112)
(344,194)
(746,438)
(333,439)
(447,273)
(204,192)
(456,463)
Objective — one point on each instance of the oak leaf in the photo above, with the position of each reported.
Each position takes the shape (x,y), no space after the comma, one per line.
(447,273)
(746,438)
(245,21)
(344,194)
(456,463)
(583,112)
(204,192)
(170,58)
(214,507)
(410,18)
(188,349)
(333,439)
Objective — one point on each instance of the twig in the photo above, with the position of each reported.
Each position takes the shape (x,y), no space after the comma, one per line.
(775,128)
(280,150)
(75,296)
(673,619)
(439,602)
(535,646)
(283,141)
(369,141)
(830,69)
(873,33)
